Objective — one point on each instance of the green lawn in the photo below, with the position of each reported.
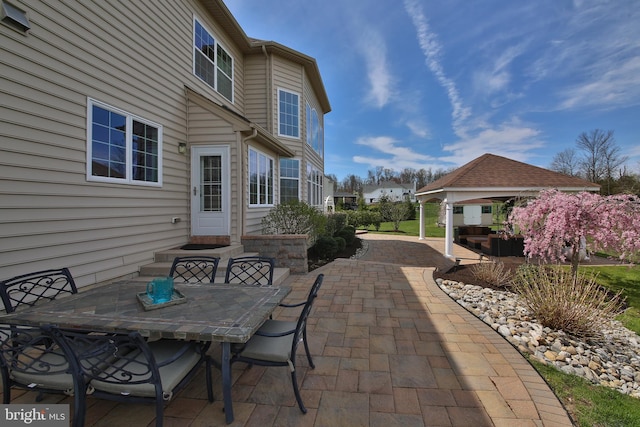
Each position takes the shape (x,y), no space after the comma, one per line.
(591,405)
(625,279)
(409,228)
(412,227)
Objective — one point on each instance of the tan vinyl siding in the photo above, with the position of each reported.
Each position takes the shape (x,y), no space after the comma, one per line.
(134,56)
(257,85)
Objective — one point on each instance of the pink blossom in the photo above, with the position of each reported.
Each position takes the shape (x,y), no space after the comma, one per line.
(555,220)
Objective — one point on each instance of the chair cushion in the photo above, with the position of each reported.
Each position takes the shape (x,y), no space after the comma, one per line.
(59,380)
(272,349)
(278,326)
(170,374)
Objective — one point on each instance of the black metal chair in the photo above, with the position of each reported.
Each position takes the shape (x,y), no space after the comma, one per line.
(124,367)
(29,289)
(276,342)
(31,360)
(313,292)
(194,269)
(250,270)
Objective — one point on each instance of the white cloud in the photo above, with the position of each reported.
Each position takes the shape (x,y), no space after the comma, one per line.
(498,76)
(619,86)
(397,157)
(418,128)
(374,51)
(431,49)
(513,140)
(593,54)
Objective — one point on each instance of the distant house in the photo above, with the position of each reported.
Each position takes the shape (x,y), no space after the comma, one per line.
(394,191)
(133,127)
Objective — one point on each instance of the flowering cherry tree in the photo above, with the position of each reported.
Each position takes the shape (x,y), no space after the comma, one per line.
(555,220)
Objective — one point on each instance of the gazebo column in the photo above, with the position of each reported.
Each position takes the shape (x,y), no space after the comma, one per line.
(448,229)
(421,202)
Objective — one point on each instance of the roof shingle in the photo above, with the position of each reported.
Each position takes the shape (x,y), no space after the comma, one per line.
(490,170)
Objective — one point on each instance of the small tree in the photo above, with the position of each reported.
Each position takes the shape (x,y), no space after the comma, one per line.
(556,220)
(397,213)
(294,217)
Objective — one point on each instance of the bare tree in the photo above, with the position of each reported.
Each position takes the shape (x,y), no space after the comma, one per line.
(566,162)
(594,144)
(423,177)
(612,163)
(351,184)
(407,175)
(601,157)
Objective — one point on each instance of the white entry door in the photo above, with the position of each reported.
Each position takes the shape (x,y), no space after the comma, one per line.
(210,200)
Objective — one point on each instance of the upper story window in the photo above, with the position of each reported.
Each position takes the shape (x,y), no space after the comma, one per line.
(212,63)
(289,180)
(288,114)
(315,134)
(260,179)
(121,147)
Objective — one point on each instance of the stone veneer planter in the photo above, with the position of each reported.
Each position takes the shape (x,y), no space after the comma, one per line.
(289,250)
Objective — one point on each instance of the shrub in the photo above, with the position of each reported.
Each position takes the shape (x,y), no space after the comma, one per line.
(560,300)
(325,247)
(375,220)
(342,244)
(348,234)
(335,223)
(294,217)
(493,273)
(411,209)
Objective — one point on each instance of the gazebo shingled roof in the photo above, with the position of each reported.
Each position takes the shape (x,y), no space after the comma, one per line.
(490,170)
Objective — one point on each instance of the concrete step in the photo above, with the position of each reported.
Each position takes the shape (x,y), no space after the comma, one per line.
(164,260)
(223,253)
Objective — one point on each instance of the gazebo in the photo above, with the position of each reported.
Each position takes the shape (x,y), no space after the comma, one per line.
(495,178)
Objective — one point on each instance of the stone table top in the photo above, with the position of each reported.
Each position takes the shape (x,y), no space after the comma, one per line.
(224,313)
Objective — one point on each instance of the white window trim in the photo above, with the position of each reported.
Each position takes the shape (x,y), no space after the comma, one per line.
(193,65)
(129,154)
(281,89)
(315,190)
(273,182)
(299,178)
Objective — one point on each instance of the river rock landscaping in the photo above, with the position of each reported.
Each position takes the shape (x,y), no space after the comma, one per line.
(612,360)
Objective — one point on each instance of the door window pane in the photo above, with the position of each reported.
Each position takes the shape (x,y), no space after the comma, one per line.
(211,183)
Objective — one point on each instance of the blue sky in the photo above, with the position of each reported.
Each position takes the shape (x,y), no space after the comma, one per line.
(435,84)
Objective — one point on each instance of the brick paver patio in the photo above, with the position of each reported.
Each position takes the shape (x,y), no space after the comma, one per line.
(390,348)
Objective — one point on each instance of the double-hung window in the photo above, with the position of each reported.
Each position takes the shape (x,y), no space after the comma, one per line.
(121,147)
(212,63)
(314,186)
(260,179)
(288,114)
(289,180)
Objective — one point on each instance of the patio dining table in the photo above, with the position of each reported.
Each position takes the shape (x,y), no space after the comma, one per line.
(219,313)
